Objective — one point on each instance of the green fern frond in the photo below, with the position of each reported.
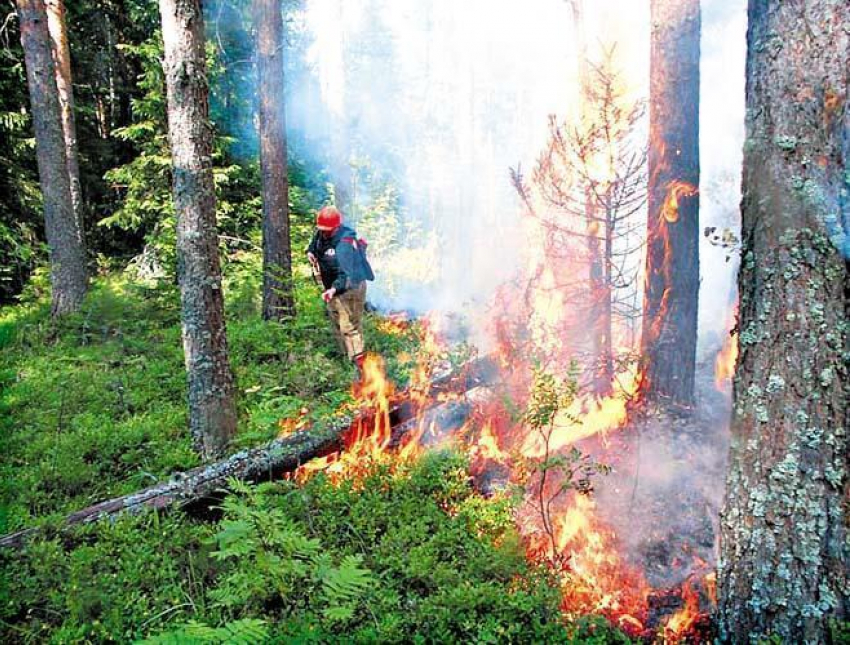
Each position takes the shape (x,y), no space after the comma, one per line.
(248,631)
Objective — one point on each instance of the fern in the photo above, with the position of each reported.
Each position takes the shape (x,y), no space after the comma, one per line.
(247,631)
(271,556)
(344,586)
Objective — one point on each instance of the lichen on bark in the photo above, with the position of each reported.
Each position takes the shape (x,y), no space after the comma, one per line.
(783,569)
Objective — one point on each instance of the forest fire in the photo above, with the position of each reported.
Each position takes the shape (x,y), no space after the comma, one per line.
(559,519)
(565,409)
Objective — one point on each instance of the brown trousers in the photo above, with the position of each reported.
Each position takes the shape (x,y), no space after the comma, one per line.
(346,313)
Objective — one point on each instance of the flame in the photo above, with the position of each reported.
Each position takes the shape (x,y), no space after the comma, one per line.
(487,445)
(676,190)
(534,319)
(369,438)
(680,623)
(594,578)
(395,324)
(291,425)
(724,365)
(727,357)
(587,417)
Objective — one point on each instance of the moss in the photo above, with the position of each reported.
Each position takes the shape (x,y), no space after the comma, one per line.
(749,336)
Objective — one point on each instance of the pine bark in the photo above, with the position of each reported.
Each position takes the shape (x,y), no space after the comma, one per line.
(785,553)
(68,276)
(278,301)
(212,412)
(668,343)
(62,66)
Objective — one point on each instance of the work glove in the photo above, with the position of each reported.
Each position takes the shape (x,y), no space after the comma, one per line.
(312,259)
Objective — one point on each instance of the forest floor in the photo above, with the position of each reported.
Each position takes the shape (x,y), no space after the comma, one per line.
(94,406)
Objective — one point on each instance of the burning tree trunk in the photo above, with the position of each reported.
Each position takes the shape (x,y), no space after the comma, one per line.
(68,274)
(212,412)
(278,301)
(62,63)
(785,554)
(668,344)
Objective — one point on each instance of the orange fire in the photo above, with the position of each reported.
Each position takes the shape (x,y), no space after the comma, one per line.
(588,416)
(727,358)
(293,424)
(683,620)
(534,321)
(676,190)
(724,365)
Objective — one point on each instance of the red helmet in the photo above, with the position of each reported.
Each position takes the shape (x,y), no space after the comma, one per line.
(328,219)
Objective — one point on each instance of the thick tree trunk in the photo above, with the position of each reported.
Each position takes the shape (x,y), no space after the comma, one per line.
(785,553)
(669,336)
(278,301)
(68,274)
(212,412)
(62,64)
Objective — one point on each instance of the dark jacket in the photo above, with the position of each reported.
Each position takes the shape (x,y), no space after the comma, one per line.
(335,256)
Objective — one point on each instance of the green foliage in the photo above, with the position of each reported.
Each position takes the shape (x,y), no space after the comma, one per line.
(412,555)
(238,632)
(105,582)
(839,632)
(555,474)
(449,566)
(145,181)
(20,208)
(273,560)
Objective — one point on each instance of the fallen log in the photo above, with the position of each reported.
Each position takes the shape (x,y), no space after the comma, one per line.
(272,460)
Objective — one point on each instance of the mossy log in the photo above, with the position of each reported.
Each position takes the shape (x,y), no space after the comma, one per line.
(202,486)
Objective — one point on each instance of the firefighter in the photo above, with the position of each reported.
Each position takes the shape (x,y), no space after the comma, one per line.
(341,261)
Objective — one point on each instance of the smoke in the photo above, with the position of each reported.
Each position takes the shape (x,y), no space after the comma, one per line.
(418,108)
(443,97)
(722,75)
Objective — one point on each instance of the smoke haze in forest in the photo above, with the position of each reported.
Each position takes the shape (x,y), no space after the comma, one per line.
(441,98)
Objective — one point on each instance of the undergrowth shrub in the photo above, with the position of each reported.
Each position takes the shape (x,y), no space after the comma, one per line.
(410,554)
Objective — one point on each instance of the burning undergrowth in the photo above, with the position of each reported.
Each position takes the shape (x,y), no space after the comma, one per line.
(621,503)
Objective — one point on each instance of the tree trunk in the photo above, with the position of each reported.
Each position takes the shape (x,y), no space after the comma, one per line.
(68,275)
(62,64)
(785,553)
(278,302)
(668,343)
(212,412)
